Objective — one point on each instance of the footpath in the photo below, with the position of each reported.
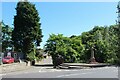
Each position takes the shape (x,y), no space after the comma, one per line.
(13,67)
(7,68)
(81,65)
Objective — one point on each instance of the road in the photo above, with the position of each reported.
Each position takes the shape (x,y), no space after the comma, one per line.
(49,72)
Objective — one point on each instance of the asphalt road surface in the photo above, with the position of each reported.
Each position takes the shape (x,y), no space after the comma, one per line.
(49,72)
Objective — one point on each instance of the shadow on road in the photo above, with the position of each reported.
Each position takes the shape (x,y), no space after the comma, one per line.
(43,65)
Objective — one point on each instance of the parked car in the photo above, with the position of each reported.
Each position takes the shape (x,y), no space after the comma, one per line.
(8,60)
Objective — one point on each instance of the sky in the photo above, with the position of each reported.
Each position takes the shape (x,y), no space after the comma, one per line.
(67,18)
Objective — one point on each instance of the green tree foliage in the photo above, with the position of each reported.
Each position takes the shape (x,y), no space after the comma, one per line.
(39,54)
(78,48)
(27,32)
(118,34)
(0,36)
(112,44)
(118,51)
(69,48)
(6,36)
(105,41)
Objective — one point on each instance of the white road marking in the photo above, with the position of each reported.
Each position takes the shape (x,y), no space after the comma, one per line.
(84,73)
(72,74)
(42,71)
(2,74)
(53,70)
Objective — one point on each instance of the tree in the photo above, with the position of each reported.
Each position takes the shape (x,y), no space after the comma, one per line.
(70,48)
(111,43)
(104,41)
(118,34)
(0,36)
(53,47)
(6,36)
(27,32)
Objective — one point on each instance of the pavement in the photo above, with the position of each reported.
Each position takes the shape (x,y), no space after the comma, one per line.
(7,68)
(15,67)
(82,65)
